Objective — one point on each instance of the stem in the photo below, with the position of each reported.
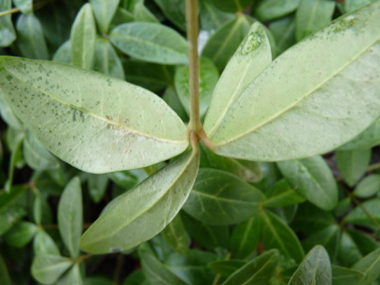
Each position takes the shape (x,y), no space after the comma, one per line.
(82,258)
(119,265)
(8,12)
(192,36)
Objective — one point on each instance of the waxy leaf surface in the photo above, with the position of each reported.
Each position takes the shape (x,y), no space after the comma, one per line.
(99,124)
(143,212)
(309,100)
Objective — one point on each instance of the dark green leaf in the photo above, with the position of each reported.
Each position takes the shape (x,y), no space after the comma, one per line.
(7,31)
(122,16)
(312,179)
(123,178)
(139,40)
(210,17)
(314,269)
(20,234)
(30,37)
(16,156)
(41,210)
(245,238)
(82,38)
(352,5)
(219,198)
(97,186)
(43,244)
(71,277)
(370,266)
(281,195)
(175,11)
(256,272)
(359,217)
(227,267)
(276,234)
(175,236)
(46,269)
(345,276)
(104,12)
(140,214)
(232,6)
(4,276)
(135,278)
(70,216)
(171,98)
(265,10)
(368,187)
(142,14)
(352,164)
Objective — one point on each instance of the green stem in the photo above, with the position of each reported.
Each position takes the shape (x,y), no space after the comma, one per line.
(192,36)
(8,12)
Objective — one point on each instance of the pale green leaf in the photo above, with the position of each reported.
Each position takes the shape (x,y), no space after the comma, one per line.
(210,17)
(8,115)
(256,272)
(276,234)
(106,59)
(71,277)
(368,187)
(104,10)
(43,244)
(143,212)
(245,238)
(174,10)
(4,275)
(353,164)
(41,210)
(312,15)
(283,31)
(122,16)
(250,59)
(124,179)
(150,42)
(314,269)
(83,37)
(370,266)
(312,179)
(25,6)
(63,53)
(46,269)
(359,217)
(70,216)
(99,124)
(36,155)
(30,37)
(174,234)
(345,276)
(282,195)
(223,43)
(265,10)
(20,234)
(367,139)
(232,6)
(156,273)
(142,14)
(352,5)
(208,77)
(319,104)
(97,186)
(219,198)
(7,31)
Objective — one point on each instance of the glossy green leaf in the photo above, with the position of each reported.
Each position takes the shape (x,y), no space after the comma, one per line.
(171,98)
(46,269)
(174,234)
(36,155)
(4,275)
(143,212)
(30,37)
(83,38)
(73,276)
(41,210)
(7,31)
(219,198)
(70,216)
(101,126)
(367,139)
(276,234)
(104,12)
(353,164)
(175,11)
(312,15)
(328,238)
(97,186)
(63,53)
(107,60)
(140,40)
(25,6)
(281,195)
(20,234)
(222,45)
(312,179)
(359,217)
(43,244)
(227,267)
(192,267)
(345,276)
(142,14)
(156,273)
(208,77)
(232,6)
(370,266)
(283,31)
(312,103)
(8,115)
(265,10)
(210,17)
(245,238)
(314,269)
(256,272)
(368,187)
(209,236)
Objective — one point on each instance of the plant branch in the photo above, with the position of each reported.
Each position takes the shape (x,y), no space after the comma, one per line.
(119,265)
(9,12)
(192,37)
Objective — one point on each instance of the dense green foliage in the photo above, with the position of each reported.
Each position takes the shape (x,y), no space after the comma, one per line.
(104,183)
